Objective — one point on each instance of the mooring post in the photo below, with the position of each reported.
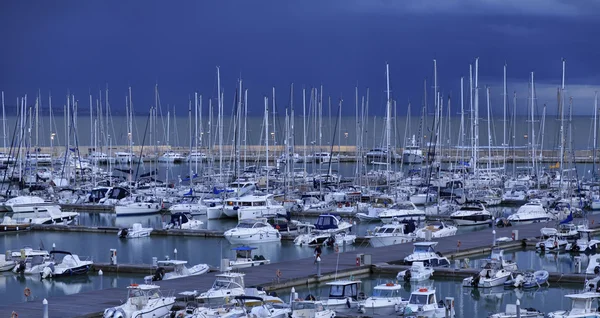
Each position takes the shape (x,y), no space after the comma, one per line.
(45,308)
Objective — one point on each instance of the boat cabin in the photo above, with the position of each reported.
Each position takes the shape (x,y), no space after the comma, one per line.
(582,304)
(249,201)
(178,265)
(245,253)
(422,297)
(388,290)
(342,289)
(179,218)
(307,308)
(327,222)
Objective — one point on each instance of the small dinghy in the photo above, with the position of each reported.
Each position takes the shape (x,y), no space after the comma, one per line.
(529,280)
(512,310)
(417,272)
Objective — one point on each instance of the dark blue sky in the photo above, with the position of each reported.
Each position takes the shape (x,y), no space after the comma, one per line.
(83,45)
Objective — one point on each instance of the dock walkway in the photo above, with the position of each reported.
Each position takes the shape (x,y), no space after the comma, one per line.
(293,272)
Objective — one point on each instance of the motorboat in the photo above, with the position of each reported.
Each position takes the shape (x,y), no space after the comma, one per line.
(197,157)
(171,157)
(37,158)
(256,306)
(29,261)
(252,231)
(252,207)
(136,231)
(193,206)
(566,231)
(585,244)
(412,153)
(227,285)
(424,252)
(329,229)
(6,263)
(98,157)
(402,211)
(310,308)
(514,311)
(343,295)
(179,270)
(244,258)
(392,233)
(143,301)
(183,221)
(530,212)
(529,279)
(123,157)
(582,305)
(437,230)
(553,243)
(515,195)
(471,213)
(492,275)
(385,301)
(141,206)
(593,265)
(325,157)
(69,265)
(423,303)
(416,273)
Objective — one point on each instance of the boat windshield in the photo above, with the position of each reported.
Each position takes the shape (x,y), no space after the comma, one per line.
(402,206)
(385,293)
(421,249)
(385,230)
(245,225)
(419,299)
(306,305)
(337,291)
(221,284)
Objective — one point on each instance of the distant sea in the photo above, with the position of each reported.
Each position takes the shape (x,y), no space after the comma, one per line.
(325,132)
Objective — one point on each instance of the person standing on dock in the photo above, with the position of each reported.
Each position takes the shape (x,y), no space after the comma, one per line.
(318,252)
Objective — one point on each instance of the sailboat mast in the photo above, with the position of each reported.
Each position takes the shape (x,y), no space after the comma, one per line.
(191,172)
(4,122)
(91,123)
(489,124)
(304,129)
(388,125)
(533,126)
(562,122)
(462,116)
(476,115)
(504,145)
(267,138)
(595,134)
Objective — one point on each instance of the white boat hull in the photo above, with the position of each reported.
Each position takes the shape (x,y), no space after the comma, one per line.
(137,209)
(380,241)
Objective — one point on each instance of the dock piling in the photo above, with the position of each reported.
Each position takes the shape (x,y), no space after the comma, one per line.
(518,309)
(45,306)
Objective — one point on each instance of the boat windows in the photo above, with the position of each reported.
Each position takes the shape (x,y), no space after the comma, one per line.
(221,284)
(418,299)
(259,203)
(304,305)
(246,204)
(385,293)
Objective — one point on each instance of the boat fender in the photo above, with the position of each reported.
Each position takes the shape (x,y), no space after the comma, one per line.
(27,292)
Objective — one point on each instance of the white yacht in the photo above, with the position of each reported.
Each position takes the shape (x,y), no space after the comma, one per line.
(6,159)
(171,157)
(135,231)
(401,211)
(310,309)
(39,159)
(491,275)
(437,230)
(179,270)
(193,206)
(471,213)
(530,212)
(197,157)
(143,301)
(251,231)
(412,154)
(183,221)
(141,206)
(385,301)
(511,312)
(423,302)
(35,210)
(392,233)
(516,195)
(252,207)
(425,252)
(582,305)
(124,157)
(100,158)
(554,243)
(325,157)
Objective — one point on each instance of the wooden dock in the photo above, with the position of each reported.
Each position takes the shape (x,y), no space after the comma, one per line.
(293,272)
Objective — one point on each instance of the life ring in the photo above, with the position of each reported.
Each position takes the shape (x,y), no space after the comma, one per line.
(27,292)
(278,273)
(14,315)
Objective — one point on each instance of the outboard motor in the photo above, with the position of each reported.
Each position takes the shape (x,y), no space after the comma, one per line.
(159,274)
(407,275)
(123,233)
(21,267)
(475,281)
